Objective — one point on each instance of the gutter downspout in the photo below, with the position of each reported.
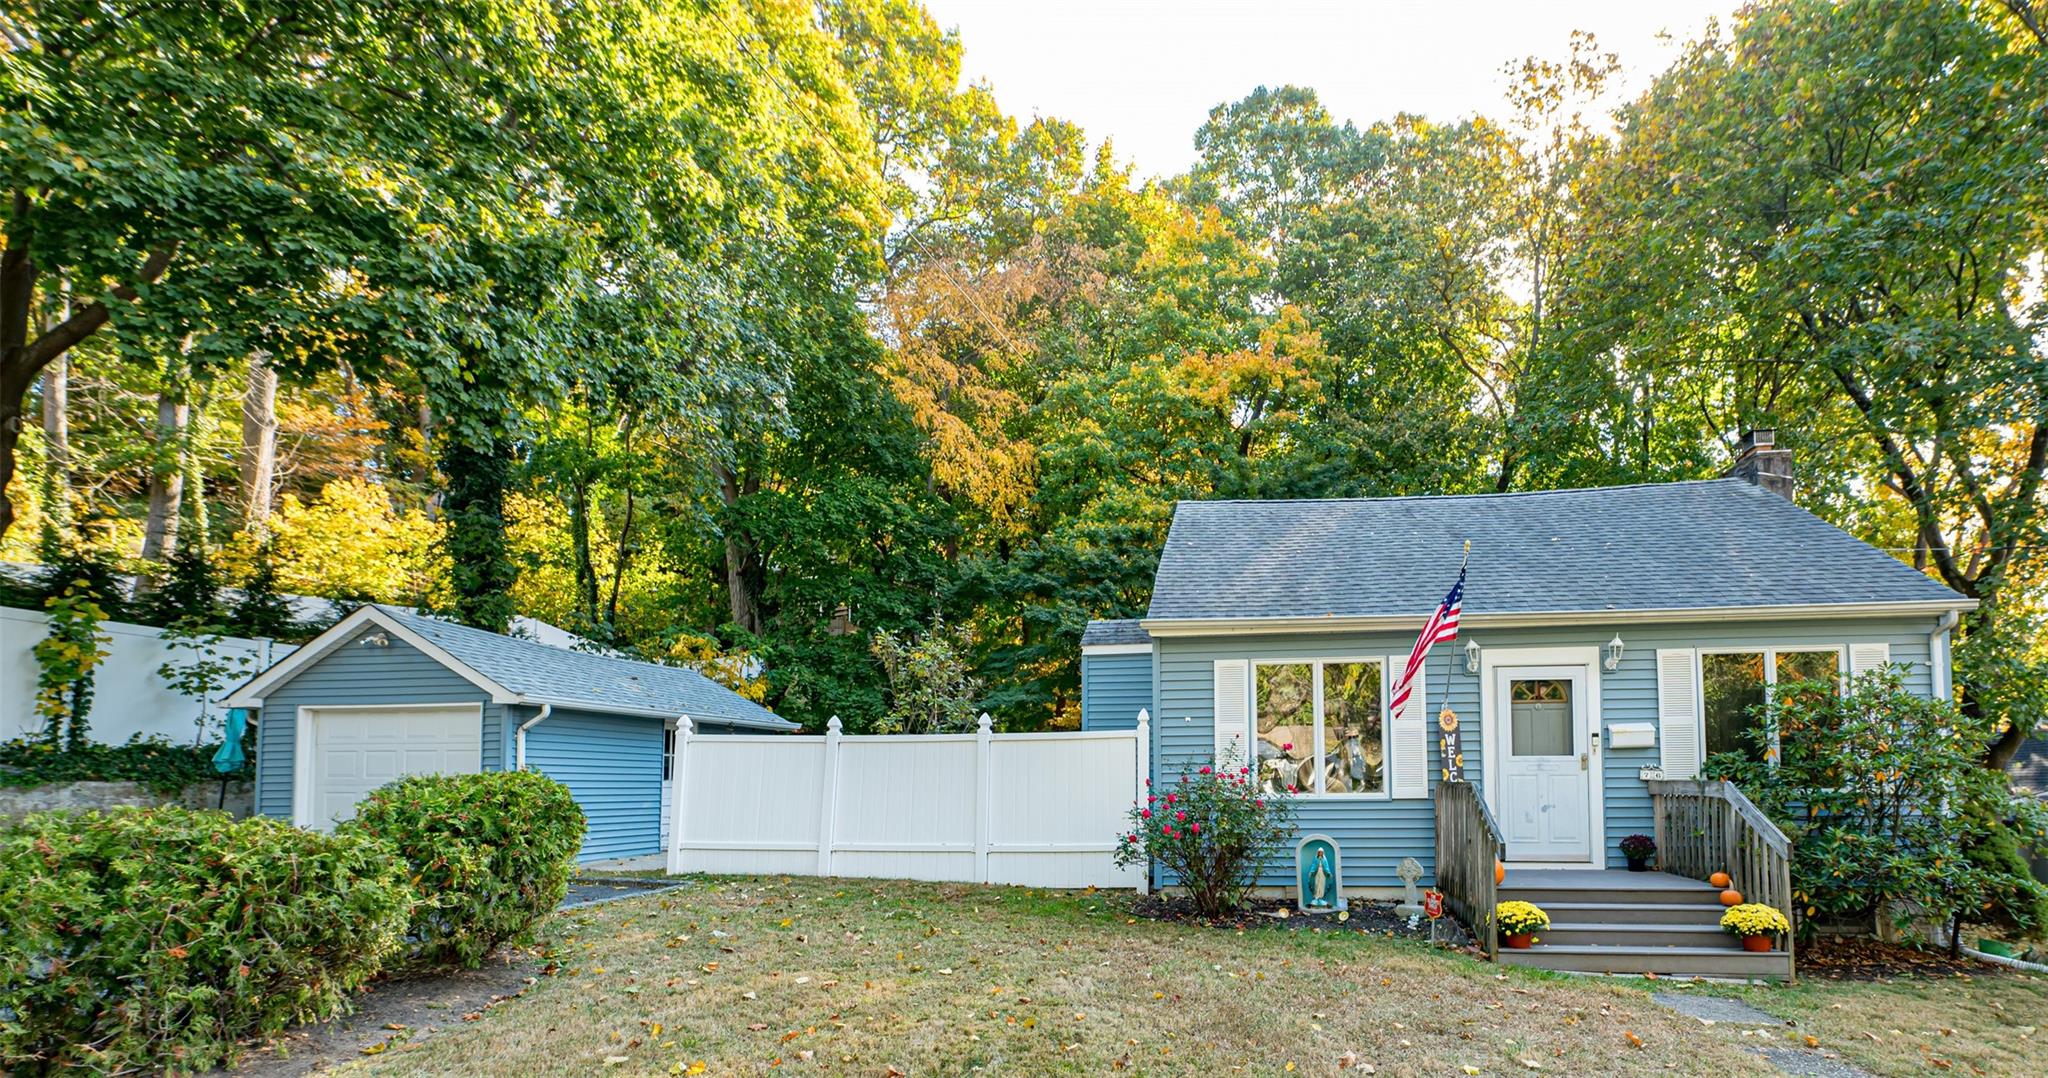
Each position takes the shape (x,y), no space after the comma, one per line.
(519,736)
(1940,654)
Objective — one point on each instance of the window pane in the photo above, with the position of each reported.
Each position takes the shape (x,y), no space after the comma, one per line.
(1822,666)
(1353,748)
(1540,718)
(1287,727)
(1732,685)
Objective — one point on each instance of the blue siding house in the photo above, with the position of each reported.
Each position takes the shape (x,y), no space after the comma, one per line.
(1609,637)
(388,692)
(1116,674)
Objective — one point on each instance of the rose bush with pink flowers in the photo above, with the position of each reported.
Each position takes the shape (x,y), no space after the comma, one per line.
(1211,830)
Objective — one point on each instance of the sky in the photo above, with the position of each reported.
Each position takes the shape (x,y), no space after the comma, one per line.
(1145,73)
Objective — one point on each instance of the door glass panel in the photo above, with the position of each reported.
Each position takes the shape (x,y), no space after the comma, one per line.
(1286,703)
(1540,717)
(1732,687)
(1353,748)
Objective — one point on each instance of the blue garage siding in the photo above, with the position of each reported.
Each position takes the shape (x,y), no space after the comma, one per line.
(1114,688)
(612,764)
(353,675)
(1375,835)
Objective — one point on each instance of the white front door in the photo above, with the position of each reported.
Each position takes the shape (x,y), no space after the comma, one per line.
(1544,800)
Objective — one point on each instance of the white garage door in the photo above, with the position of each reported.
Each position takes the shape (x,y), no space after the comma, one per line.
(356,750)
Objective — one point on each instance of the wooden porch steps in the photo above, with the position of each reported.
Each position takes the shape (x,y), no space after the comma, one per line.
(1665,961)
(1605,921)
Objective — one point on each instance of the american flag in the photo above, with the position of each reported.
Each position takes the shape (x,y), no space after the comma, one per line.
(1441,627)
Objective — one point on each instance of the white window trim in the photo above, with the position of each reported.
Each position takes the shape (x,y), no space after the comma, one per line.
(1316,679)
(1770,654)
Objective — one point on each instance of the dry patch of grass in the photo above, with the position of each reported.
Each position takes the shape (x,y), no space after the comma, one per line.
(1995,1023)
(751,976)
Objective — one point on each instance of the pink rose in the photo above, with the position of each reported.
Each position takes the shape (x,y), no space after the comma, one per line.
(1289,747)
(1132,839)
(1291,789)
(1145,813)
(1259,803)
(1195,827)
(1180,816)
(1205,769)
(1244,770)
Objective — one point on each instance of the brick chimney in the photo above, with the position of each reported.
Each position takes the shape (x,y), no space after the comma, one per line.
(1759,460)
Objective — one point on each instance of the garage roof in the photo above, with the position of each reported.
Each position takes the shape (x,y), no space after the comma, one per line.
(516,671)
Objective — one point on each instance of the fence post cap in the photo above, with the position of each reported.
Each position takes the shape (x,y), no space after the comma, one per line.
(985,724)
(832,725)
(684,724)
(1144,716)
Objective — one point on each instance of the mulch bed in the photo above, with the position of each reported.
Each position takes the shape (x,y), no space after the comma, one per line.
(1365,917)
(1859,958)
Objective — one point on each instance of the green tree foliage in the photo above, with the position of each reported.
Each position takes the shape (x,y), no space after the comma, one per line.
(1826,220)
(743,328)
(930,689)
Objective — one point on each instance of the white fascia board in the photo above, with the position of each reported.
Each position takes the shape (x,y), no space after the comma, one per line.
(1387,623)
(1116,649)
(345,630)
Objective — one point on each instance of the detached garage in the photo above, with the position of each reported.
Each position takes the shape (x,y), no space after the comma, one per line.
(388,692)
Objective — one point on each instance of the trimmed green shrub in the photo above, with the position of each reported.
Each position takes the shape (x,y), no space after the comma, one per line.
(489,854)
(158,938)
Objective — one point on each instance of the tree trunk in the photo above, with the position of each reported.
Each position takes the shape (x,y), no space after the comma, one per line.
(259,444)
(741,568)
(166,478)
(57,444)
(482,573)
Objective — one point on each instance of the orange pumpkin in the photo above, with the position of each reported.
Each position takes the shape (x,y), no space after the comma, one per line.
(1731,897)
(1718,879)
(1500,873)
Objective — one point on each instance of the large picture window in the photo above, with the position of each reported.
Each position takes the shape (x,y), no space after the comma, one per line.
(1322,727)
(1733,684)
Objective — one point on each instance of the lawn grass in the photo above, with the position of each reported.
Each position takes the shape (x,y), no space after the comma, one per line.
(1994,1023)
(760,975)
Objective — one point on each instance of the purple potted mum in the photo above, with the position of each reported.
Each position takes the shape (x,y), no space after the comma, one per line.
(1638,849)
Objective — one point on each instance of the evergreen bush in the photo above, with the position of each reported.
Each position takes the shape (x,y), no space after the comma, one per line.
(157,939)
(490,855)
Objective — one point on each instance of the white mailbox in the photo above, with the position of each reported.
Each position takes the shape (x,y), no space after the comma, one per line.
(1631,735)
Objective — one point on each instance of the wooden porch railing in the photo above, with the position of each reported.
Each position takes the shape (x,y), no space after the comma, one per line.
(1468,845)
(1708,826)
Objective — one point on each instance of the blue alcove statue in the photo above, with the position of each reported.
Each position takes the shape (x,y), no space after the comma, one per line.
(1318,875)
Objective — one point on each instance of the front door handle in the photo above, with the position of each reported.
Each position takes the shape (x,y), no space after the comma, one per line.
(1582,761)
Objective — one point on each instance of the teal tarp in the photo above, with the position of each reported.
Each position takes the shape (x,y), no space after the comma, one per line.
(230,757)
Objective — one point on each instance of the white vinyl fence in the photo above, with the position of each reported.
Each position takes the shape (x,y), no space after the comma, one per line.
(129,697)
(1041,810)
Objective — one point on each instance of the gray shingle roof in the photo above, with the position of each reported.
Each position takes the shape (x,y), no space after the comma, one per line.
(1119,631)
(1664,546)
(586,679)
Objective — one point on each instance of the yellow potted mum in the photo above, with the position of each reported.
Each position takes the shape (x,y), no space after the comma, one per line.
(1519,922)
(1756,923)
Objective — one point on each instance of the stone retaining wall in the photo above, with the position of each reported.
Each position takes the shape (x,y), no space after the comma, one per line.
(16,802)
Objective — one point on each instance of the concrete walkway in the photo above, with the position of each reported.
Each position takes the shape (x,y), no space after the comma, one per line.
(1790,1058)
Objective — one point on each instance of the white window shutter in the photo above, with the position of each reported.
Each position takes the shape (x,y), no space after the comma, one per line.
(1233,713)
(1408,735)
(1678,719)
(1864,658)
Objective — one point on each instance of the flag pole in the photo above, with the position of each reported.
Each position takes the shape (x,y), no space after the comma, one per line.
(1448,743)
